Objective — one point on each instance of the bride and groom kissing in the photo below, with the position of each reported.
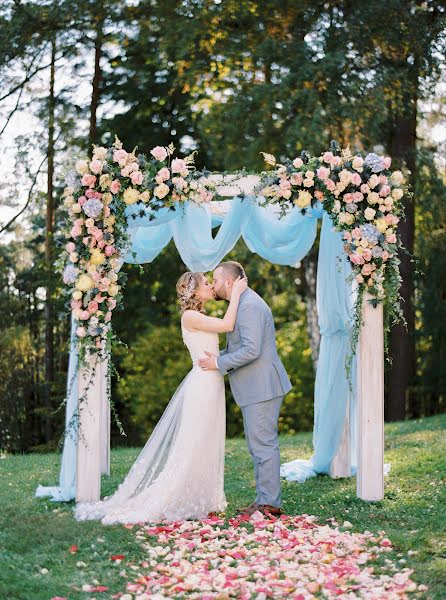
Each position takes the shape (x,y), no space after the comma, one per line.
(179,474)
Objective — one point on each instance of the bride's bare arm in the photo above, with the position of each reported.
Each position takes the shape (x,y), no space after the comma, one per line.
(195,321)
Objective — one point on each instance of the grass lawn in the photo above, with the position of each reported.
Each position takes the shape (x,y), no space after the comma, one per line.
(36,534)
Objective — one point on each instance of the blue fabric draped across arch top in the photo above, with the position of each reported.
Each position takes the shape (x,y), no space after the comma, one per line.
(283,241)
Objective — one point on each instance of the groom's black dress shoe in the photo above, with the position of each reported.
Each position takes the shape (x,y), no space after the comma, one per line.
(270,511)
(249,510)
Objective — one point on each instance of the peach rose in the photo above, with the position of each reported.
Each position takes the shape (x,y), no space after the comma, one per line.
(159,153)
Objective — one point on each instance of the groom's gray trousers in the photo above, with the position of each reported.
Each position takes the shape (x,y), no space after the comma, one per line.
(260,421)
(258,383)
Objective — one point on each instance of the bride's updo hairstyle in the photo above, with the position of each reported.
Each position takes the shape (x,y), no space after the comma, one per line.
(187,287)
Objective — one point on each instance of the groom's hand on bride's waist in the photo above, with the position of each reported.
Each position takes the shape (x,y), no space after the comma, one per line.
(209,363)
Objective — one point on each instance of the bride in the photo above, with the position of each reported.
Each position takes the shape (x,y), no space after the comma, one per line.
(179,472)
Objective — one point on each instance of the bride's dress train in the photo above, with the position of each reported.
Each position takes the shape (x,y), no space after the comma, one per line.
(179,474)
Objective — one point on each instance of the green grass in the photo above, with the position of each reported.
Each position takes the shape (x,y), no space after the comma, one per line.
(36,534)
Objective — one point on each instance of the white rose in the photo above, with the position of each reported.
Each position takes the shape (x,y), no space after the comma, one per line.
(82,167)
(397,178)
(369,214)
(397,194)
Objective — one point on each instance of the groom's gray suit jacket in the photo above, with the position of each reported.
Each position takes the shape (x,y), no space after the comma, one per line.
(255,370)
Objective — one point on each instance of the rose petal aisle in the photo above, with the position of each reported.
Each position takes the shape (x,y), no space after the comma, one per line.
(261,558)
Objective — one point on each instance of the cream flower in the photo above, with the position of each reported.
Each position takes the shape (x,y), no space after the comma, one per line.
(369,213)
(304,199)
(97,257)
(397,178)
(82,167)
(84,283)
(397,194)
(161,191)
(131,196)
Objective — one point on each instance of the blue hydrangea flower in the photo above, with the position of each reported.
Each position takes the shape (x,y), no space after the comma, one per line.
(377,252)
(92,208)
(370,233)
(70,274)
(375,162)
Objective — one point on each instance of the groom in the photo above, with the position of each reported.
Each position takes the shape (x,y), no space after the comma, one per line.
(258,383)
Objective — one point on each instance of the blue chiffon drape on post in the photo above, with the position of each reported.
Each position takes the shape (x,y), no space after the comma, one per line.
(283,241)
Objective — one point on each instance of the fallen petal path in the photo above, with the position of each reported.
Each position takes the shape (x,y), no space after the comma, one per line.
(261,558)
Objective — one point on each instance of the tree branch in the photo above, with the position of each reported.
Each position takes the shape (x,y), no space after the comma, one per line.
(34,181)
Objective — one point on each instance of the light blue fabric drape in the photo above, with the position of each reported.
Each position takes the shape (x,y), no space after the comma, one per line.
(335,299)
(66,490)
(283,241)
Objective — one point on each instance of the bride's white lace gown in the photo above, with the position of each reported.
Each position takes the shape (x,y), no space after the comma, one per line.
(179,474)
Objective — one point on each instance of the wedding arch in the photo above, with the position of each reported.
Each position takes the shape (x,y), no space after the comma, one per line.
(122,207)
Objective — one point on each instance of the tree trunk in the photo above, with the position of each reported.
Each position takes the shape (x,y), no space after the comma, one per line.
(402,346)
(96,88)
(49,243)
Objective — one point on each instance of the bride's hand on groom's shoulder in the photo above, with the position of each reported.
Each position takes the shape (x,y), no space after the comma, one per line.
(239,286)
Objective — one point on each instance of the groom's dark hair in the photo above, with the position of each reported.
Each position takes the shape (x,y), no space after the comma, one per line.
(232,268)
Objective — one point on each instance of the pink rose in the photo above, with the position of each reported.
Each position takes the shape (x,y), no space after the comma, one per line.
(70,247)
(285,184)
(347,236)
(88,180)
(96,166)
(163,174)
(109,250)
(359,279)
(391,238)
(115,186)
(84,315)
(323,173)
(335,161)
(108,317)
(107,211)
(125,172)
(99,298)
(384,191)
(319,195)
(296,179)
(178,165)
(75,232)
(120,155)
(102,243)
(111,303)
(367,269)
(367,254)
(356,179)
(357,196)
(76,304)
(331,186)
(348,198)
(387,161)
(80,332)
(327,157)
(383,180)
(93,307)
(365,188)
(105,281)
(136,177)
(82,200)
(95,276)
(159,153)
(385,255)
(356,259)
(89,193)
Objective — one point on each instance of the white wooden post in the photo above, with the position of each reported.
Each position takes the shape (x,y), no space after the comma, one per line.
(105,420)
(370,479)
(88,482)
